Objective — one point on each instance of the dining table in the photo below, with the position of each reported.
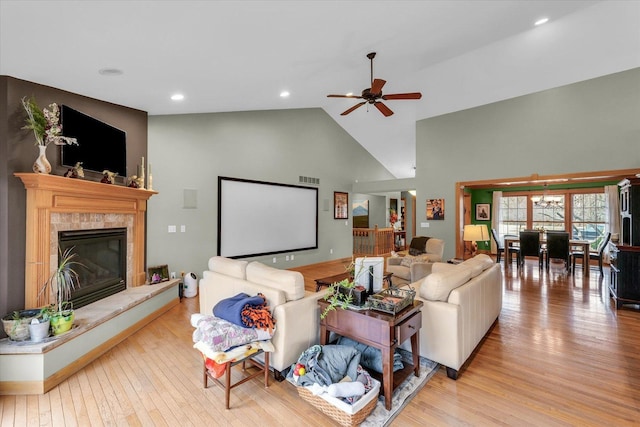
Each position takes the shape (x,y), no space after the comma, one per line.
(574,243)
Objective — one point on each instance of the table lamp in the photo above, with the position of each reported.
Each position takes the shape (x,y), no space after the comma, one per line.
(474,233)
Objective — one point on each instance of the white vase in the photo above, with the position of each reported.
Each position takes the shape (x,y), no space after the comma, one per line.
(41,164)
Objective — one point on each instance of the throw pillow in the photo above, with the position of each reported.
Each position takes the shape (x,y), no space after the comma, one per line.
(406,261)
(414,251)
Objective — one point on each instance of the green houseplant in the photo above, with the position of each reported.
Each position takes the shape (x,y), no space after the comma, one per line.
(343,293)
(16,324)
(63,282)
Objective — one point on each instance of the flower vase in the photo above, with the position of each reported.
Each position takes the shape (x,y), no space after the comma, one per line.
(41,164)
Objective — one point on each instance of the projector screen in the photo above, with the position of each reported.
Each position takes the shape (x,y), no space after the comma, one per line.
(261,218)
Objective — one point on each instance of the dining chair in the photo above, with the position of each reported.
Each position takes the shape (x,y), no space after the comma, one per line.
(530,246)
(501,248)
(598,254)
(558,248)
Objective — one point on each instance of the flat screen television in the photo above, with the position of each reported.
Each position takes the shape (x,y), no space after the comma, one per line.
(100,145)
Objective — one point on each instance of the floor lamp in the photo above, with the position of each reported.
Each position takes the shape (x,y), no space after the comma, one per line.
(474,233)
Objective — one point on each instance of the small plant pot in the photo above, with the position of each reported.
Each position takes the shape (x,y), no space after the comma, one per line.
(62,323)
(18,327)
(39,331)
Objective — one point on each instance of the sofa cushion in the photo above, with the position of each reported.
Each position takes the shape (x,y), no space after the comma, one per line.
(290,282)
(438,286)
(477,264)
(408,260)
(230,267)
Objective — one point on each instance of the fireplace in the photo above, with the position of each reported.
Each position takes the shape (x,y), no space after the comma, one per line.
(102,254)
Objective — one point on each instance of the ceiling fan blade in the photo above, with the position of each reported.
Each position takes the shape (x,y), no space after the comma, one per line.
(344,96)
(383,108)
(412,95)
(376,85)
(358,105)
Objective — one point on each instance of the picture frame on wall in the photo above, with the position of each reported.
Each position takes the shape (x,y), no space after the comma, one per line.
(157,274)
(360,211)
(435,209)
(483,212)
(340,205)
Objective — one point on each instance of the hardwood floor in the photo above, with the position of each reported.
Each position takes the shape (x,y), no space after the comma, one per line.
(559,355)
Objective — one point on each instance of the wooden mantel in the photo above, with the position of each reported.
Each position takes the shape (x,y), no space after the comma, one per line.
(50,193)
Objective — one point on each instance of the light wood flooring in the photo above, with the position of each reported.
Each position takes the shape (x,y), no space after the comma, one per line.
(560,355)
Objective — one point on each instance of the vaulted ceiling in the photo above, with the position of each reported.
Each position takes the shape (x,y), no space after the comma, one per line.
(240,55)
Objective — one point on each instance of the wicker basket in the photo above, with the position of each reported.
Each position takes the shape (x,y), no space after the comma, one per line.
(346,415)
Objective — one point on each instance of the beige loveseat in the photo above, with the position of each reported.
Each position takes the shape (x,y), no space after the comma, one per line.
(416,265)
(296,313)
(461,303)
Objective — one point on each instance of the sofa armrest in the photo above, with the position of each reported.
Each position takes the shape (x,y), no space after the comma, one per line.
(394,260)
(297,329)
(419,270)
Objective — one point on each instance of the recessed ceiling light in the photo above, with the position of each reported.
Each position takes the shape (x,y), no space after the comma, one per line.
(177,97)
(541,21)
(110,72)
(284,94)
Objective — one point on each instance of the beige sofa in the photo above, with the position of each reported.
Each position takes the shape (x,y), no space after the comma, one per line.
(461,303)
(411,268)
(295,311)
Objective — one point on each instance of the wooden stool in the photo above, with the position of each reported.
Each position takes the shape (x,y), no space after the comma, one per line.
(264,368)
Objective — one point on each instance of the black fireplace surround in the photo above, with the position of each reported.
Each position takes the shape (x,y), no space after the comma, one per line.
(102,254)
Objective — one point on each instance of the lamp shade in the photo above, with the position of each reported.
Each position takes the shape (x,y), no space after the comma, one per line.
(475,233)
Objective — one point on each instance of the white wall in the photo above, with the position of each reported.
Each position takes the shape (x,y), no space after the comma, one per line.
(191,151)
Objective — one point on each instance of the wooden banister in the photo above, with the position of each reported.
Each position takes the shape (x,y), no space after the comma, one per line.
(372,241)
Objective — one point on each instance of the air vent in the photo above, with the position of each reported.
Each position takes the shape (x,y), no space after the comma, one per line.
(309,180)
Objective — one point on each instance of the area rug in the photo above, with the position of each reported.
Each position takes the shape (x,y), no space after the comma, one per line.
(402,395)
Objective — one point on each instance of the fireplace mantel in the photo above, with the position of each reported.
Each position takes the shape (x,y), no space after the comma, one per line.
(49,193)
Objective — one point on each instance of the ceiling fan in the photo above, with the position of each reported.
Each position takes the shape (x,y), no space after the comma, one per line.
(373,94)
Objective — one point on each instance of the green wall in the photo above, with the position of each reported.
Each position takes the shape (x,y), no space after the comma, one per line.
(587,126)
(189,152)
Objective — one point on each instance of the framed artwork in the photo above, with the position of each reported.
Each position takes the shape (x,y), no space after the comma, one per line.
(157,274)
(483,212)
(435,209)
(340,205)
(360,211)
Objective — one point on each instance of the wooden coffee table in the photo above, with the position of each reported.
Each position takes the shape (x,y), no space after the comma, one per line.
(328,281)
(380,330)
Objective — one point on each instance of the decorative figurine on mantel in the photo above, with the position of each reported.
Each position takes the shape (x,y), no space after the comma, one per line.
(134,181)
(108,177)
(75,172)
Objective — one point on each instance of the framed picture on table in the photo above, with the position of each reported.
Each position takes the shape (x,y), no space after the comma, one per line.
(483,212)
(340,205)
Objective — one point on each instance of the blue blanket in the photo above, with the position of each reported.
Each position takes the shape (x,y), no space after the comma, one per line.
(230,309)
(371,357)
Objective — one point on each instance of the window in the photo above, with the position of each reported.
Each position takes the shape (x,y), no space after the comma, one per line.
(549,218)
(513,214)
(584,212)
(589,217)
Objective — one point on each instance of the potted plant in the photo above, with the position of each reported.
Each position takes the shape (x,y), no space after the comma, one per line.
(16,324)
(39,325)
(344,293)
(63,282)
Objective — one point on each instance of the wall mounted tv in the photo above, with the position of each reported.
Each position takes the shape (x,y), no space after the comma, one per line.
(100,145)
(259,218)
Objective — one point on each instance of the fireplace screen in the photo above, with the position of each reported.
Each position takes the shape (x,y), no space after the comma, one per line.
(103,255)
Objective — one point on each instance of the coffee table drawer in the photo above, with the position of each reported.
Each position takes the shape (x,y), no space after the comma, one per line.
(408,327)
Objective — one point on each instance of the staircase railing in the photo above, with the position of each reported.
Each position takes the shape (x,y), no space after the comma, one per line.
(372,241)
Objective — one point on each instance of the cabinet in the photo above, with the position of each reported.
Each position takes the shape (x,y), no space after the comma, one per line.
(624,286)
(630,205)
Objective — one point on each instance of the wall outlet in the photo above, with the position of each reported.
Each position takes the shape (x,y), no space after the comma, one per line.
(183,228)
(286,258)
(274,260)
(330,251)
(291,257)
(424,224)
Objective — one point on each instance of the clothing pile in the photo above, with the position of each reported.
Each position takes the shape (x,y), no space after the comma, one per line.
(239,327)
(332,369)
